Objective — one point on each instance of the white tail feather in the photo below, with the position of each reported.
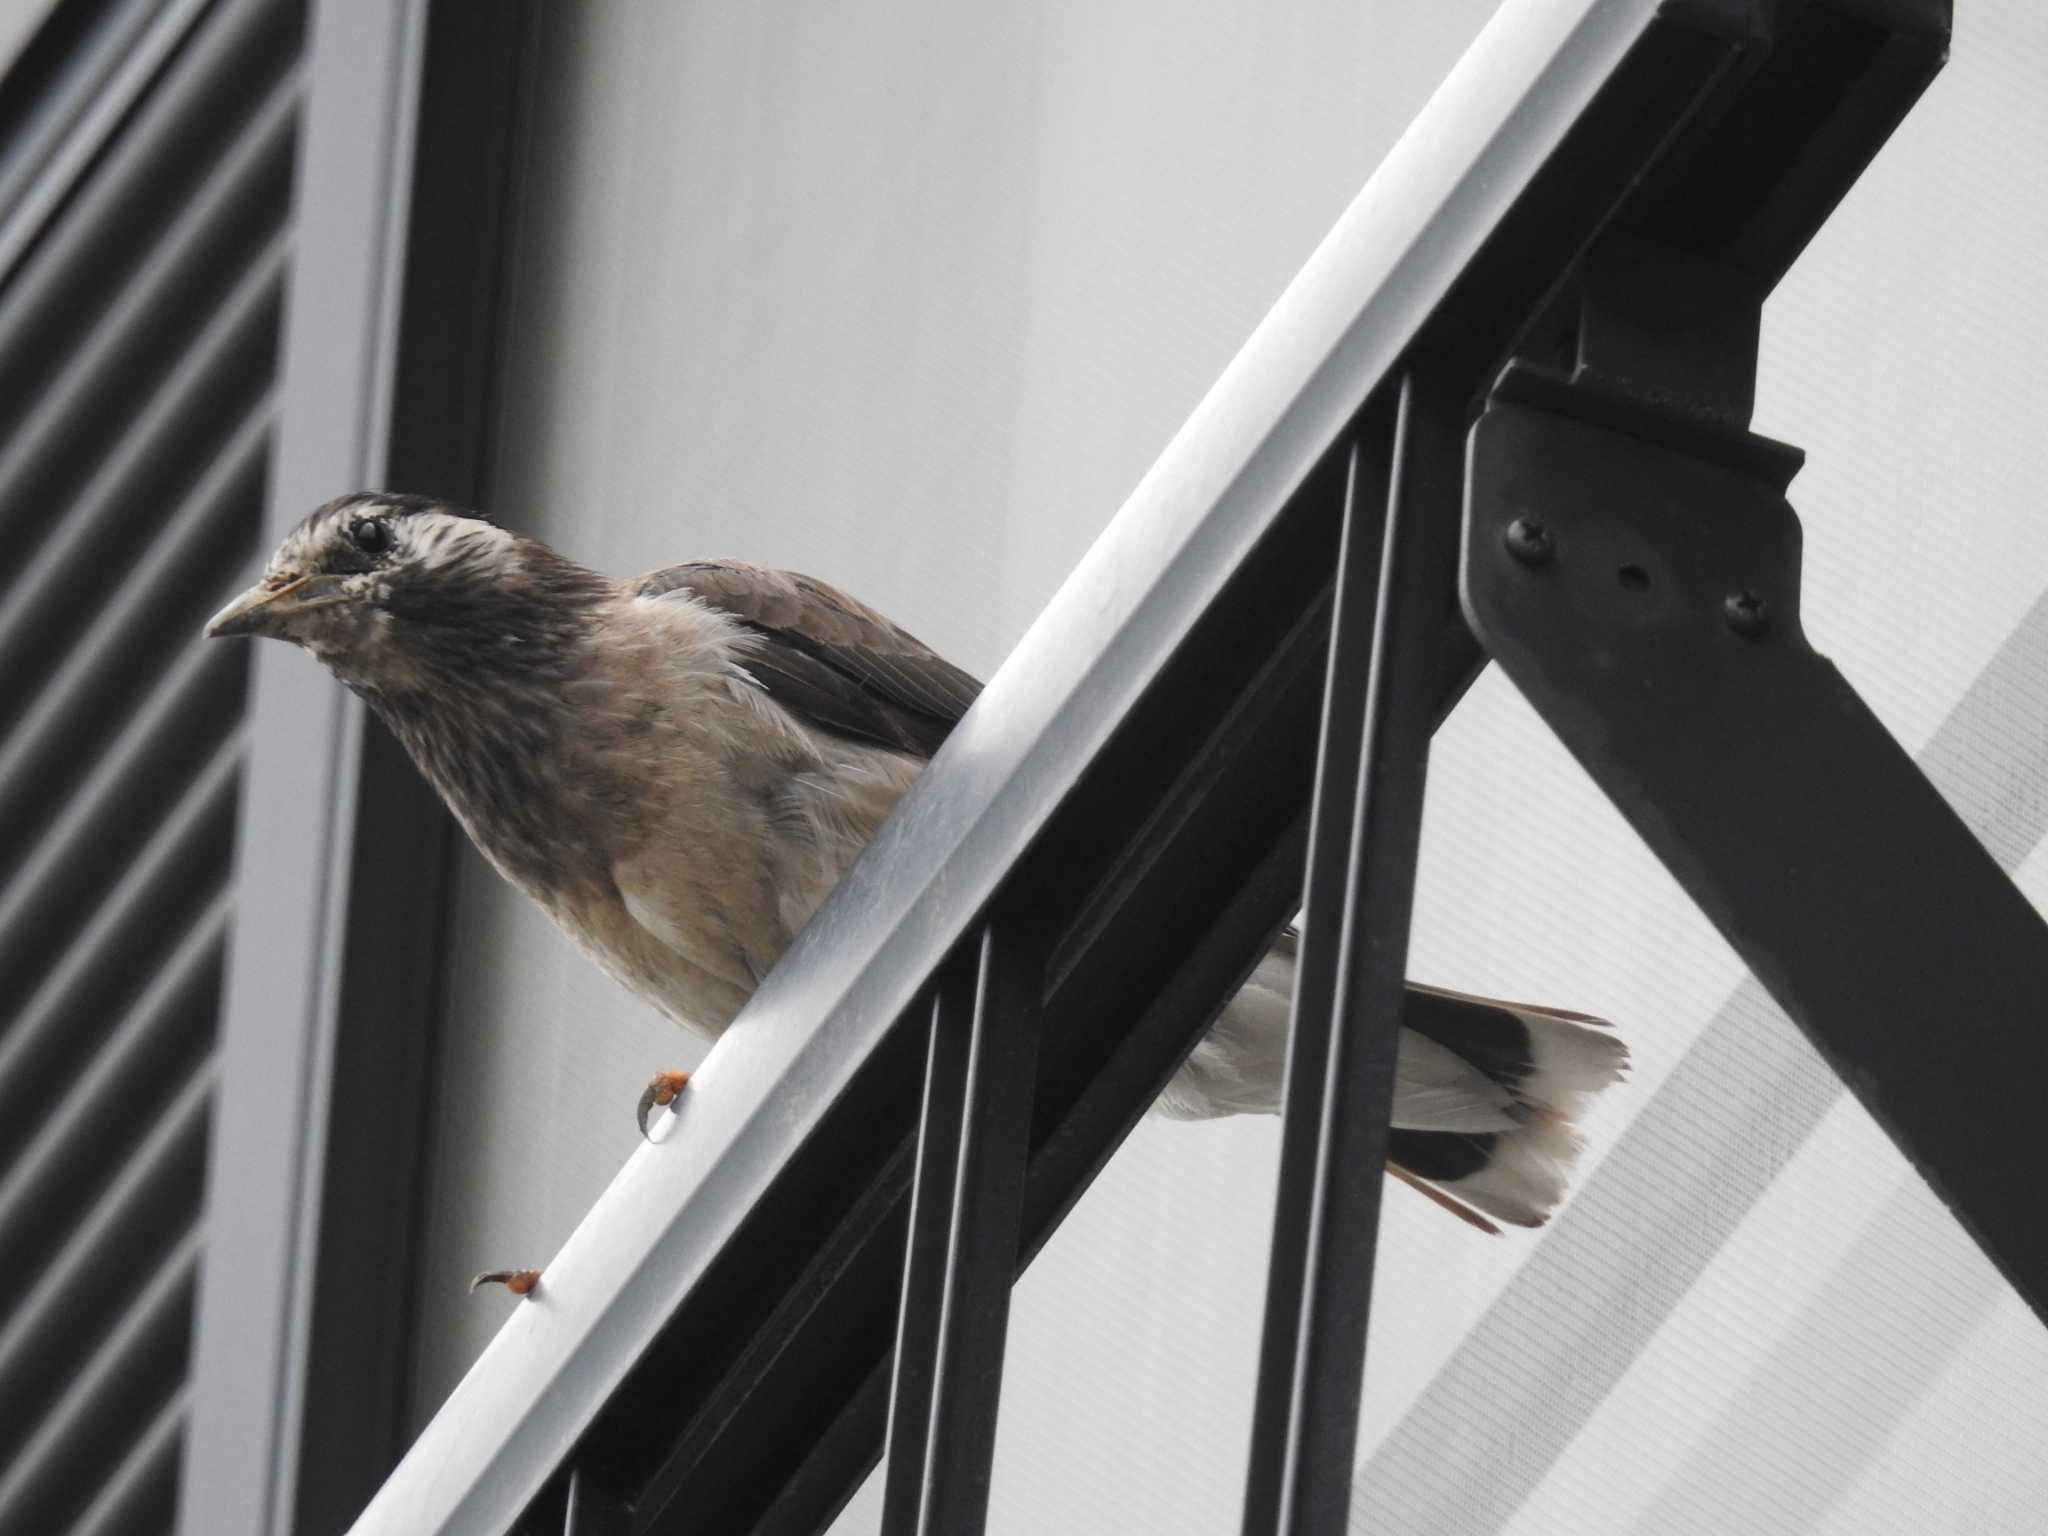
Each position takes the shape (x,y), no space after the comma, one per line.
(1238,1066)
(1525,1178)
(1575,1057)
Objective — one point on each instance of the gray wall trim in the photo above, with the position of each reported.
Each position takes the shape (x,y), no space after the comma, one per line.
(297,813)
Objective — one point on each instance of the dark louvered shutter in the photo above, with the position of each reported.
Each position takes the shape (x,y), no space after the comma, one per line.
(145,171)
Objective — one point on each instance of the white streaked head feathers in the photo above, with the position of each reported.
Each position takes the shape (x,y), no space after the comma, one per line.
(373,535)
(369,552)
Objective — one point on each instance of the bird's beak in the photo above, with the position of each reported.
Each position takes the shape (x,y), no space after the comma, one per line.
(265,607)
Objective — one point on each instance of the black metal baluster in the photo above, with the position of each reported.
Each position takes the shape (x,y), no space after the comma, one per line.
(962,1250)
(589,1513)
(1387,635)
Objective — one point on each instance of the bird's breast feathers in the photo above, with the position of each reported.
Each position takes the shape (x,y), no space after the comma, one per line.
(723,820)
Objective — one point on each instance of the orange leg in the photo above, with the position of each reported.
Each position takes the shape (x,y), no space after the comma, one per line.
(662,1090)
(520,1282)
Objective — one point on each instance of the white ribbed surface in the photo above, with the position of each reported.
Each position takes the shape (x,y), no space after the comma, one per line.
(909,297)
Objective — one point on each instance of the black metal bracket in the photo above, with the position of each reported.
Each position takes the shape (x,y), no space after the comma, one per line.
(1631,562)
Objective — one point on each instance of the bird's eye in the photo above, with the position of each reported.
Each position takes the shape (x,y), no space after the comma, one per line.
(370,535)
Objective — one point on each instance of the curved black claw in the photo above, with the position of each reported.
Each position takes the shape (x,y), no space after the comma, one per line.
(661,1090)
(520,1282)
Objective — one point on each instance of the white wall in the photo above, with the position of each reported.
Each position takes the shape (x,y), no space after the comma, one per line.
(908,295)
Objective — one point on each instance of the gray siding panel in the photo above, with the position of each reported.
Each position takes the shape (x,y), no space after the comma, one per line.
(111,1402)
(140,1491)
(145,186)
(140,1216)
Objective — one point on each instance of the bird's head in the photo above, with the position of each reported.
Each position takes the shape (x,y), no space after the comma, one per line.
(369,580)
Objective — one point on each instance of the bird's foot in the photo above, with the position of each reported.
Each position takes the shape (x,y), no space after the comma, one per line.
(520,1282)
(662,1090)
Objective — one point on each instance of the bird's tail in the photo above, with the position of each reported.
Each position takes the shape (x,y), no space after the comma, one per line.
(1486,1092)
(1550,1063)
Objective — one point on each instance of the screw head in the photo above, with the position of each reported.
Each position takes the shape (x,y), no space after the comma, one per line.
(1746,613)
(1529,542)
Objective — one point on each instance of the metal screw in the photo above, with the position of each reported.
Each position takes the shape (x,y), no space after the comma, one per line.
(1529,542)
(1747,614)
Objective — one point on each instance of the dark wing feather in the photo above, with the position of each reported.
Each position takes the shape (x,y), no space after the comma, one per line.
(829,659)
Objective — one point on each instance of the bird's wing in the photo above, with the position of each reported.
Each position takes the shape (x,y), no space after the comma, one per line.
(827,658)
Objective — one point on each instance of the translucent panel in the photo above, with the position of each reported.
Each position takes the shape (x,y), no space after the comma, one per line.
(908,297)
